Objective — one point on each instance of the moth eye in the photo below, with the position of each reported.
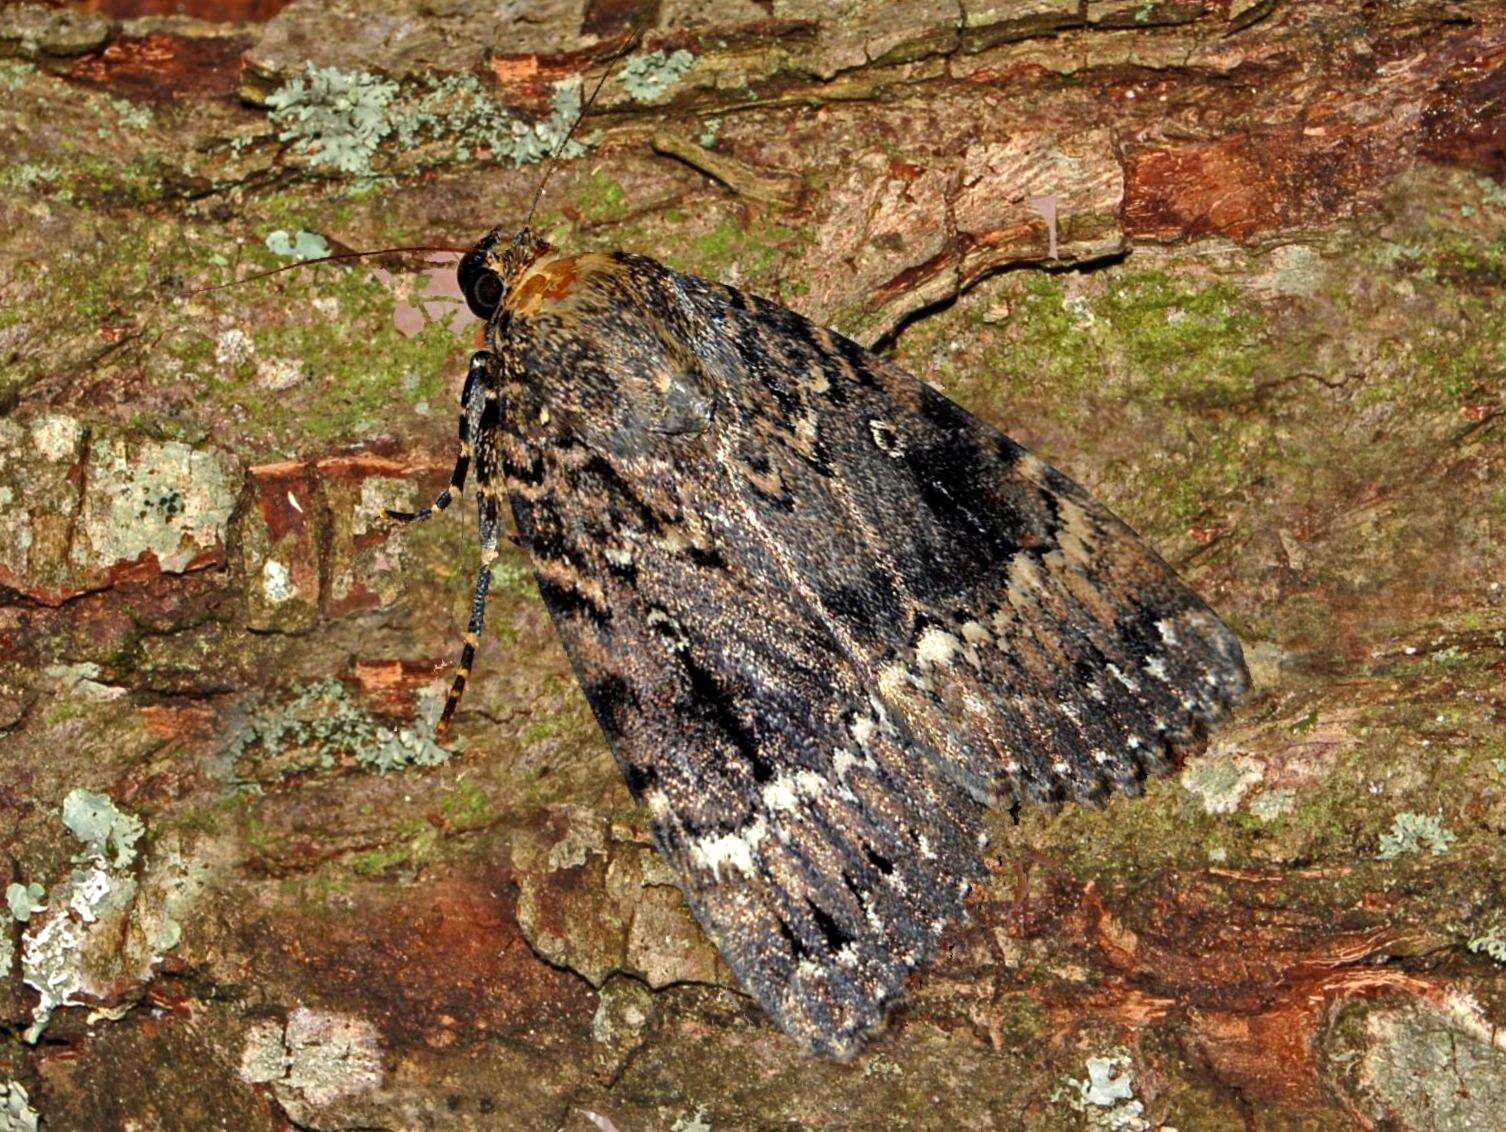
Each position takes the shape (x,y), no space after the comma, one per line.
(484,295)
(482,287)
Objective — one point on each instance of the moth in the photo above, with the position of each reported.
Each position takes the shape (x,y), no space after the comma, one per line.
(823,615)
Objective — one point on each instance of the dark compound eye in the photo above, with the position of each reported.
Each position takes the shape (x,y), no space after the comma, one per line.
(481,285)
(486,295)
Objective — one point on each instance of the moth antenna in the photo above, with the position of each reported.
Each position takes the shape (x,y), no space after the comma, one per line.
(538,193)
(323,259)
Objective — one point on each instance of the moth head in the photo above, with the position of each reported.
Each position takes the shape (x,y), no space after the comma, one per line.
(490,269)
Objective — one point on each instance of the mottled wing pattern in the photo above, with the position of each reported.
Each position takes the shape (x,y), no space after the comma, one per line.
(815,842)
(1024,634)
(822,615)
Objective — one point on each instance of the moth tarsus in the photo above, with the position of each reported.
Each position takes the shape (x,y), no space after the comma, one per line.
(823,615)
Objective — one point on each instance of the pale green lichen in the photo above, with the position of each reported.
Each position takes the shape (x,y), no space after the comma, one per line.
(459,107)
(298,245)
(16,1113)
(131,115)
(1412,833)
(335,118)
(339,120)
(169,889)
(1272,804)
(514,577)
(24,899)
(14,72)
(322,724)
(165,499)
(27,176)
(55,949)
(105,831)
(108,921)
(650,76)
(1221,781)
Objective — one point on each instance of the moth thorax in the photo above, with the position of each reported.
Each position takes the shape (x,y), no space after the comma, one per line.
(518,255)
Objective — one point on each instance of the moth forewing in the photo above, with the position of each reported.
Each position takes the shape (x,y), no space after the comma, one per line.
(823,615)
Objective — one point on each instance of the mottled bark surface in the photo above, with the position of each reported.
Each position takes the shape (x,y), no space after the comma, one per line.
(246,891)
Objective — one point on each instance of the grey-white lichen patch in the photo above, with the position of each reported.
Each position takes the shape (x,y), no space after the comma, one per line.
(322,724)
(278,374)
(1106,1096)
(82,681)
(171,884)
(317,1058)
(1291,270)
(1221,781)
(96,892)
(106,832)
(1432,1066)
(584,834)
(103,925)
(1414,833)
(16,1113)
(298,245)
(1492,943)
(368,569)
(335,118)
(378,494)
(54,953)
(276,582)
(1272,804)
(23,900)
(56,437)
(331,1055)
(339,120)
(652,75)
(233,347)
(160,499)
(264,1057)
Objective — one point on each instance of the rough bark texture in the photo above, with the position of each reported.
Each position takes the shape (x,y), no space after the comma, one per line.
(1271,337)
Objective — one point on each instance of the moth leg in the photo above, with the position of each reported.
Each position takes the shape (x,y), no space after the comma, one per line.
(486,506)
(471,396)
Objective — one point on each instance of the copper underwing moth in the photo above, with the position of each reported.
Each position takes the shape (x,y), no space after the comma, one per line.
(824,616)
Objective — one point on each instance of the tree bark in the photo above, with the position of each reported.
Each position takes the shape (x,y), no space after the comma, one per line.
(1238,267)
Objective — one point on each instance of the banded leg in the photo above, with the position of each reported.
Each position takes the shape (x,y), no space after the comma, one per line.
(486,506)
(470,402)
